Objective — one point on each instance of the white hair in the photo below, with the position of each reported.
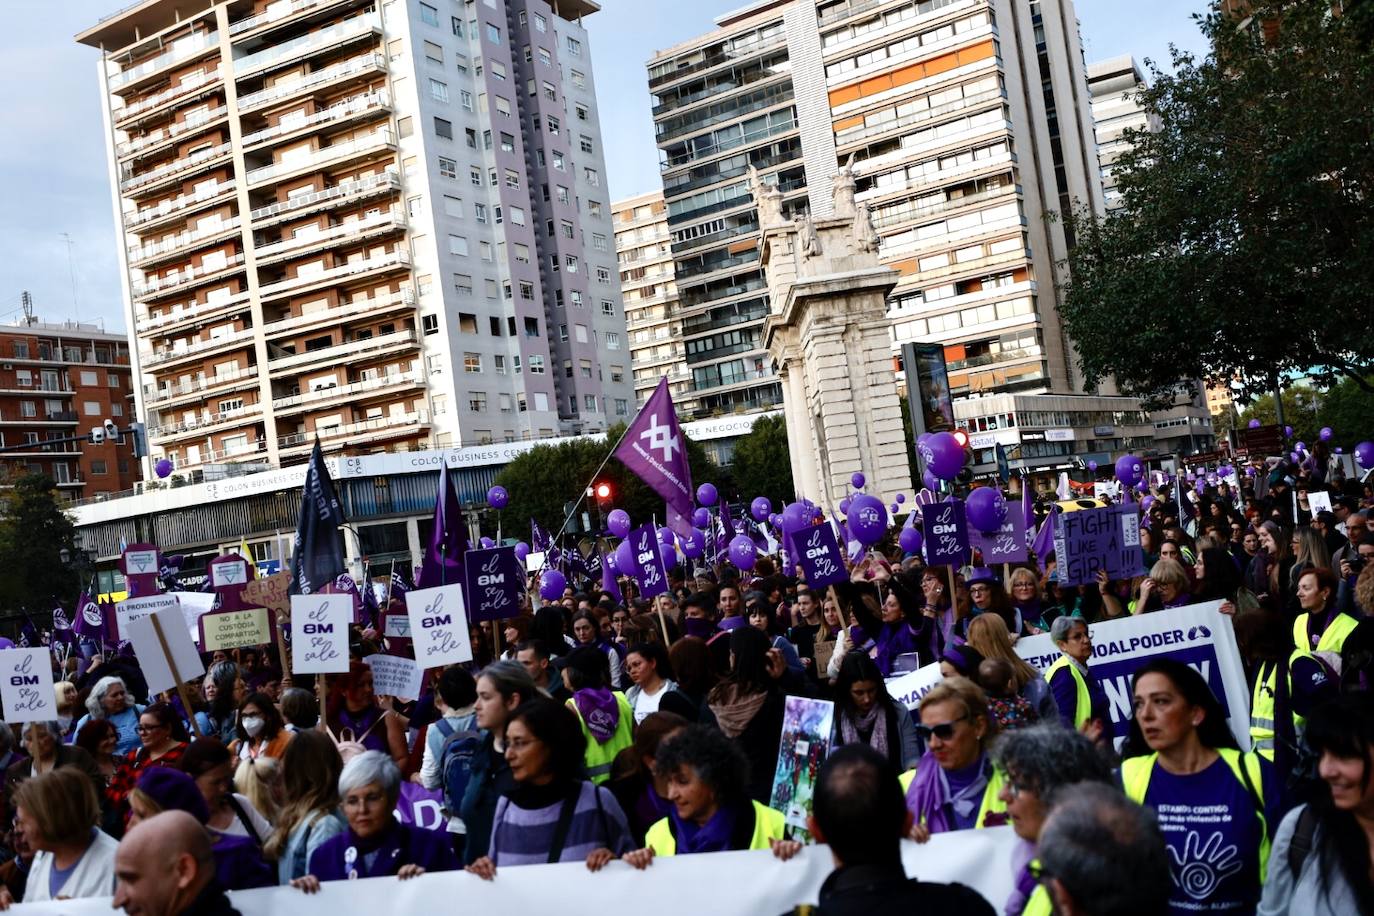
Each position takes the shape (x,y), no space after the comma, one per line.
(370,767)
(1061,627)
(95,702)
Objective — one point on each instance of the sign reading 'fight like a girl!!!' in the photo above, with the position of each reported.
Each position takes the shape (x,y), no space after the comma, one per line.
(439,626)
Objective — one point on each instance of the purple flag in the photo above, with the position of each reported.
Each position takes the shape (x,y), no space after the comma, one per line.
(1044,539)
(90,622)
(653,449)
(448,542)
(608,583)
(727,522)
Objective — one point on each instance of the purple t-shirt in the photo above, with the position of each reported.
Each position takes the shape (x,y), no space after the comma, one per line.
(1209,824)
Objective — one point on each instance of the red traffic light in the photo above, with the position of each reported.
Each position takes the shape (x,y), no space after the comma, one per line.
(603,491)
(961,436)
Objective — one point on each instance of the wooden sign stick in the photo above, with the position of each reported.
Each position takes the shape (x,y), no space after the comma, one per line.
(176,676)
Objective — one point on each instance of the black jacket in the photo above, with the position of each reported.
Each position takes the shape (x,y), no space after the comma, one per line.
(865,890)
(211,901)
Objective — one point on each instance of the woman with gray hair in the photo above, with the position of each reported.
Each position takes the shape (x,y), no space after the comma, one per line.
(375,844)
(43,741)
(1081,700)
(109,699)
(224,690)
(1040,762)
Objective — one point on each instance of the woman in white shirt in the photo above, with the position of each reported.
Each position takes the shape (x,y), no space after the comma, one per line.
(210,764)
(58,812)
(648,667)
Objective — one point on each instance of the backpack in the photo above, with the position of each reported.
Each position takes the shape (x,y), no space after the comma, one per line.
(350,745)
(461,741)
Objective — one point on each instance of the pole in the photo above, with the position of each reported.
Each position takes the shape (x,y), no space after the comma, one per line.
(1278,401)
(951,588)
(582,495)
(319,696)
(662,621)
(176,676)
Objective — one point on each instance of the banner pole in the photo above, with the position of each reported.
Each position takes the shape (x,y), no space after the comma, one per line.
(662,622)
(582,495)
(176,676)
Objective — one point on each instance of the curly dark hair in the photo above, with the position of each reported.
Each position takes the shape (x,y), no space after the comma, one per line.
(717,761)
(558,727)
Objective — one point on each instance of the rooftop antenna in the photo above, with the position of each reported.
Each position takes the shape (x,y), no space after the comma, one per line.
(71,268)
(26,303)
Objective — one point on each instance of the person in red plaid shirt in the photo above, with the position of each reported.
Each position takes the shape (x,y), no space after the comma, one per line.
(164,741)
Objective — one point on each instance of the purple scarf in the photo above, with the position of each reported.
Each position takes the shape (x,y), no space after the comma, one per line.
(712,836)
(599,710)
(929,800)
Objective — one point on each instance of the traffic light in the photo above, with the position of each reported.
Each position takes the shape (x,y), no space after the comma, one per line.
(603,492)
(966,472)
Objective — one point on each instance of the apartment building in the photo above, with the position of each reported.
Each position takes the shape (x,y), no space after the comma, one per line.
(382,224)
(58,381)
(653,316)
(1114,85)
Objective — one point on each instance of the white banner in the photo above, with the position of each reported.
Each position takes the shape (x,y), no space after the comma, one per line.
(26,685)
(1198,635)
(726,883)
(133,608)
(908,688)
(394,676)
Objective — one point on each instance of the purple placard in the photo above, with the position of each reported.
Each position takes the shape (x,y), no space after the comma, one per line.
(946,533)
(495,581)
(818,554)
(1007,544)
(649,572)
(1088,540)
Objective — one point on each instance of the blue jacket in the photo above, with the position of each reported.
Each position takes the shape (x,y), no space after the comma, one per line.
(403,844)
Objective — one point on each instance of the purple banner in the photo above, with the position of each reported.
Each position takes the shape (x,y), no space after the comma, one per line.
(654,449)
(649,572)
(946,533)
(1088,540)
(818,554)
(1005,545)
(421,807)
(495,581)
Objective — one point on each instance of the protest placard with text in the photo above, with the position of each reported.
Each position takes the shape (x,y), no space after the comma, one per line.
(394,676)
(26,685)
(946,533)
(649,572)
(818,554)
(1005,545)
(495,583)
(1098,539)
(439,626)
(131,609)
(234,629)
(319,627)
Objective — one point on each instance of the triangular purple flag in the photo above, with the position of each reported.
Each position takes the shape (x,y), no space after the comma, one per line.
(608,583)
(1043,544)
(654,449)
(1027,506)
(448,542)
(726,521)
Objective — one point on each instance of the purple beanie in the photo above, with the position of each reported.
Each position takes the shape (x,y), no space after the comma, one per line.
(173,790)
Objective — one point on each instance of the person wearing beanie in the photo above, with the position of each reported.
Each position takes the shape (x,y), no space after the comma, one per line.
(606,717)
(960,661)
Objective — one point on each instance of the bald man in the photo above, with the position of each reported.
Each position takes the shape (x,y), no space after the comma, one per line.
(165,867)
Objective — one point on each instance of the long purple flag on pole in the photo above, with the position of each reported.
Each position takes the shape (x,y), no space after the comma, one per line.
(448,542)
(653,449)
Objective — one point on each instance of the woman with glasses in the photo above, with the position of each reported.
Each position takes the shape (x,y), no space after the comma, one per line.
(954,786)
(1081,701)
(989,597)
(375,844)
(164,741)
(260,729)
(1026,599)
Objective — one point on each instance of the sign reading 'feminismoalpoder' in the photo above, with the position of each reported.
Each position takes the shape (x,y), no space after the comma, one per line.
(439,626)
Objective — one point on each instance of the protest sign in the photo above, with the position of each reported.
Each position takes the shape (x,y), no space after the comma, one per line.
(1198,635)
(141,565)
(1005,545)
(1319,501)
(230,571)
(648,571)
(194,605)
(908,689)
(320,633)
(818,553)
(131,609)
(1098,539)
(420,806)
(439,626)
(946,533)
(752,882)
(270,592)
(26,685)
(805,743)
(164,650)
(394,676)
(495,583)
(395,625)
(233,629)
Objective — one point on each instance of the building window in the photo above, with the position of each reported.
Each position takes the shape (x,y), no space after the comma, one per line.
(30,409)
(512,179)
(462,283)
(598,241)
(553,125)
(434,53)
(622,407)
(603,275)
(470,137)
(429,324)
(457,25)
(477,401)
(493,34)
(579,79)
(458,245)
(465,98)
(499,362)
(438,91)
(536,365)
(612,340)
(591,177)
(88,408)
(453,206)
(526,290)
(507,143)
(472,362)
(559,163)
(475,175)
(448,168)
(562,194)
(574,47)
(607,307)
(540,24)
(429,15)
(594,208)
(479,212)
(581,111)
(585,144)
(545,57)
(532,327)
(443,128)
(617,373)
(99,467)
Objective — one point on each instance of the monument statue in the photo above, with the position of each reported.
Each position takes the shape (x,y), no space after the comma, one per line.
(808,242)
(842,190)
(768,200)
(865,235)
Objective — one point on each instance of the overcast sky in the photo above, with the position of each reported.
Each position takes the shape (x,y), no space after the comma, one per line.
(56,179)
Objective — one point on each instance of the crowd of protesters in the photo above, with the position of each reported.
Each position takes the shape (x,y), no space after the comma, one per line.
(604,727)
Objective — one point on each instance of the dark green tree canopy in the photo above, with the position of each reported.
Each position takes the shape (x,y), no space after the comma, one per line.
(34,530)
(1245,247)
(762,465)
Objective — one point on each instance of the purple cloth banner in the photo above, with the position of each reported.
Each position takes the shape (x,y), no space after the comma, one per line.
(654,450)
(495,581)
(443,564)
(818,554)
(946,533)
(649,571)
(421,807)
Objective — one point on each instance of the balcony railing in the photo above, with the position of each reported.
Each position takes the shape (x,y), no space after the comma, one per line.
(203,421)
(392,217)
(290,88)
(165,59)
(170,354)
(864,131)
(322,157)
(147,322)
(338,352)
(155,393)
(346,109)
(180,202)
(195,160)
(276,13)
(397,258)
(187,85)
(897,215)
(306,44)
(362,427)
(387,180)
(188,277)
(181,240)
(721,146)
(389,380)
(372,305)
(171,132)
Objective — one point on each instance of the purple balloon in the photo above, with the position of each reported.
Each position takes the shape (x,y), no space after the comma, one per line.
(867,519)
(694,544)
(669,554)
(760,508)
(910,539)
(1339,450)
(522,550)
(618,522)
(707,494)
(701,518)
(931,482)
(795,515)
(551,585)
(163,468)
(1255,424)
(487,543)
(665,535)
(986,508)
(743,553)
(1288,432)
(1146,503)
(1364,454)
(1092,465)
(1325,434)
(858,480)
(625,558)
(1301,446)
(1143,486)
(1130,470)
(1294,457)
(894,509)
(497,497)
(901,498)
(943,455)
(844,506)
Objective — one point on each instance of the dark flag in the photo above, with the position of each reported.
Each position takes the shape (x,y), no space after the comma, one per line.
(448,542)
(317,554)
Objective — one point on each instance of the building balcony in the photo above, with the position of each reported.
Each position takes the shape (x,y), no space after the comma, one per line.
(325,156)
(165,136)
(354,231)
(182,243)
(377,305)
(57,418)
(144,182)
(145,219)
(279,14)
(62,388)
(44,450)
(124,118)
(967,105)
(324,397)
(181,52)
(230,453)
(377,429)
(901,215)
(367,348)
(162,395)
(206,422)
(201,311)
(167,356)
(347,192)
(329,38)
(392,260)
(183,280)
(699,154)
(741,51)
(321,79)
(359,106)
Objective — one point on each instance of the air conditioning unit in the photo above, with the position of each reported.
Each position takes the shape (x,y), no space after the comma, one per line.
(9,365)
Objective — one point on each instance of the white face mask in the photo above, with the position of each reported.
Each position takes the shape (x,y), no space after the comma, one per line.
(253,725)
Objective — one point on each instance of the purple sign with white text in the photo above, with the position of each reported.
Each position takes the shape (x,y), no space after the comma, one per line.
(818,554)
(946,533)
(1005,545)
(495,581)
(648,570)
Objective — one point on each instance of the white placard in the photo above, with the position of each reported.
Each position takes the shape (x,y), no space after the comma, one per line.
(396,626)
(194,605)
(26,685)
(394,676)
(229,572)
(131,609)
(140,562)
(319,633)
(439,626)
(910,687)
(534,562)
(157,668)
(1319,501)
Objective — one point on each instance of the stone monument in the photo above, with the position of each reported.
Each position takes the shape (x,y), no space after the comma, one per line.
(827,335)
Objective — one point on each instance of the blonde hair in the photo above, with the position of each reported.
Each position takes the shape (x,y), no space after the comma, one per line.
(1168,571)
(967,694)
(258,779)
(989,635)
(1022,572)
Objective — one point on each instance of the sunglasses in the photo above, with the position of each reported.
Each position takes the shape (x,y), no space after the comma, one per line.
(944,731)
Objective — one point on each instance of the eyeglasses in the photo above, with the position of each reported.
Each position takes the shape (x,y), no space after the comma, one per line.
(944,731)
(144,729)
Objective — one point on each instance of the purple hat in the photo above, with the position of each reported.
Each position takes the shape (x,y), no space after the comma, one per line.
(981,574)
(173,790)
(965,659)
(733,623)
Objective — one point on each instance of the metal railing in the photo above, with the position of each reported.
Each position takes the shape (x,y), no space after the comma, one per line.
(319,77)
(392,217)
(168,354)
(398,258)
(345,109)
(171,132)
(864,131)
(362,387)
(182,278)
(275,13)
(338,351)
(721,146)
(147,322)
(295,440)
(143,179)
(203,421)
(321,156)
(328,316)
(167,58)
(167,207)
(166,393)
(181,240)
(388,179)
(306,44)
(187,85)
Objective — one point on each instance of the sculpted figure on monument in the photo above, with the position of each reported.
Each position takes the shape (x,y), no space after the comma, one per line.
(807,240)
(842,190)
(768,200)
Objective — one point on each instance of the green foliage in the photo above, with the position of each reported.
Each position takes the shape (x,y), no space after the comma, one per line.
(546,477)
(1346,408)
(762,464)
(33,531)
(1245,246)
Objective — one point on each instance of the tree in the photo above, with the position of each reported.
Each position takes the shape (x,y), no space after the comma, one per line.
(1346,408)
(762,464)
(1245,245)
(547,477)
(34,531)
